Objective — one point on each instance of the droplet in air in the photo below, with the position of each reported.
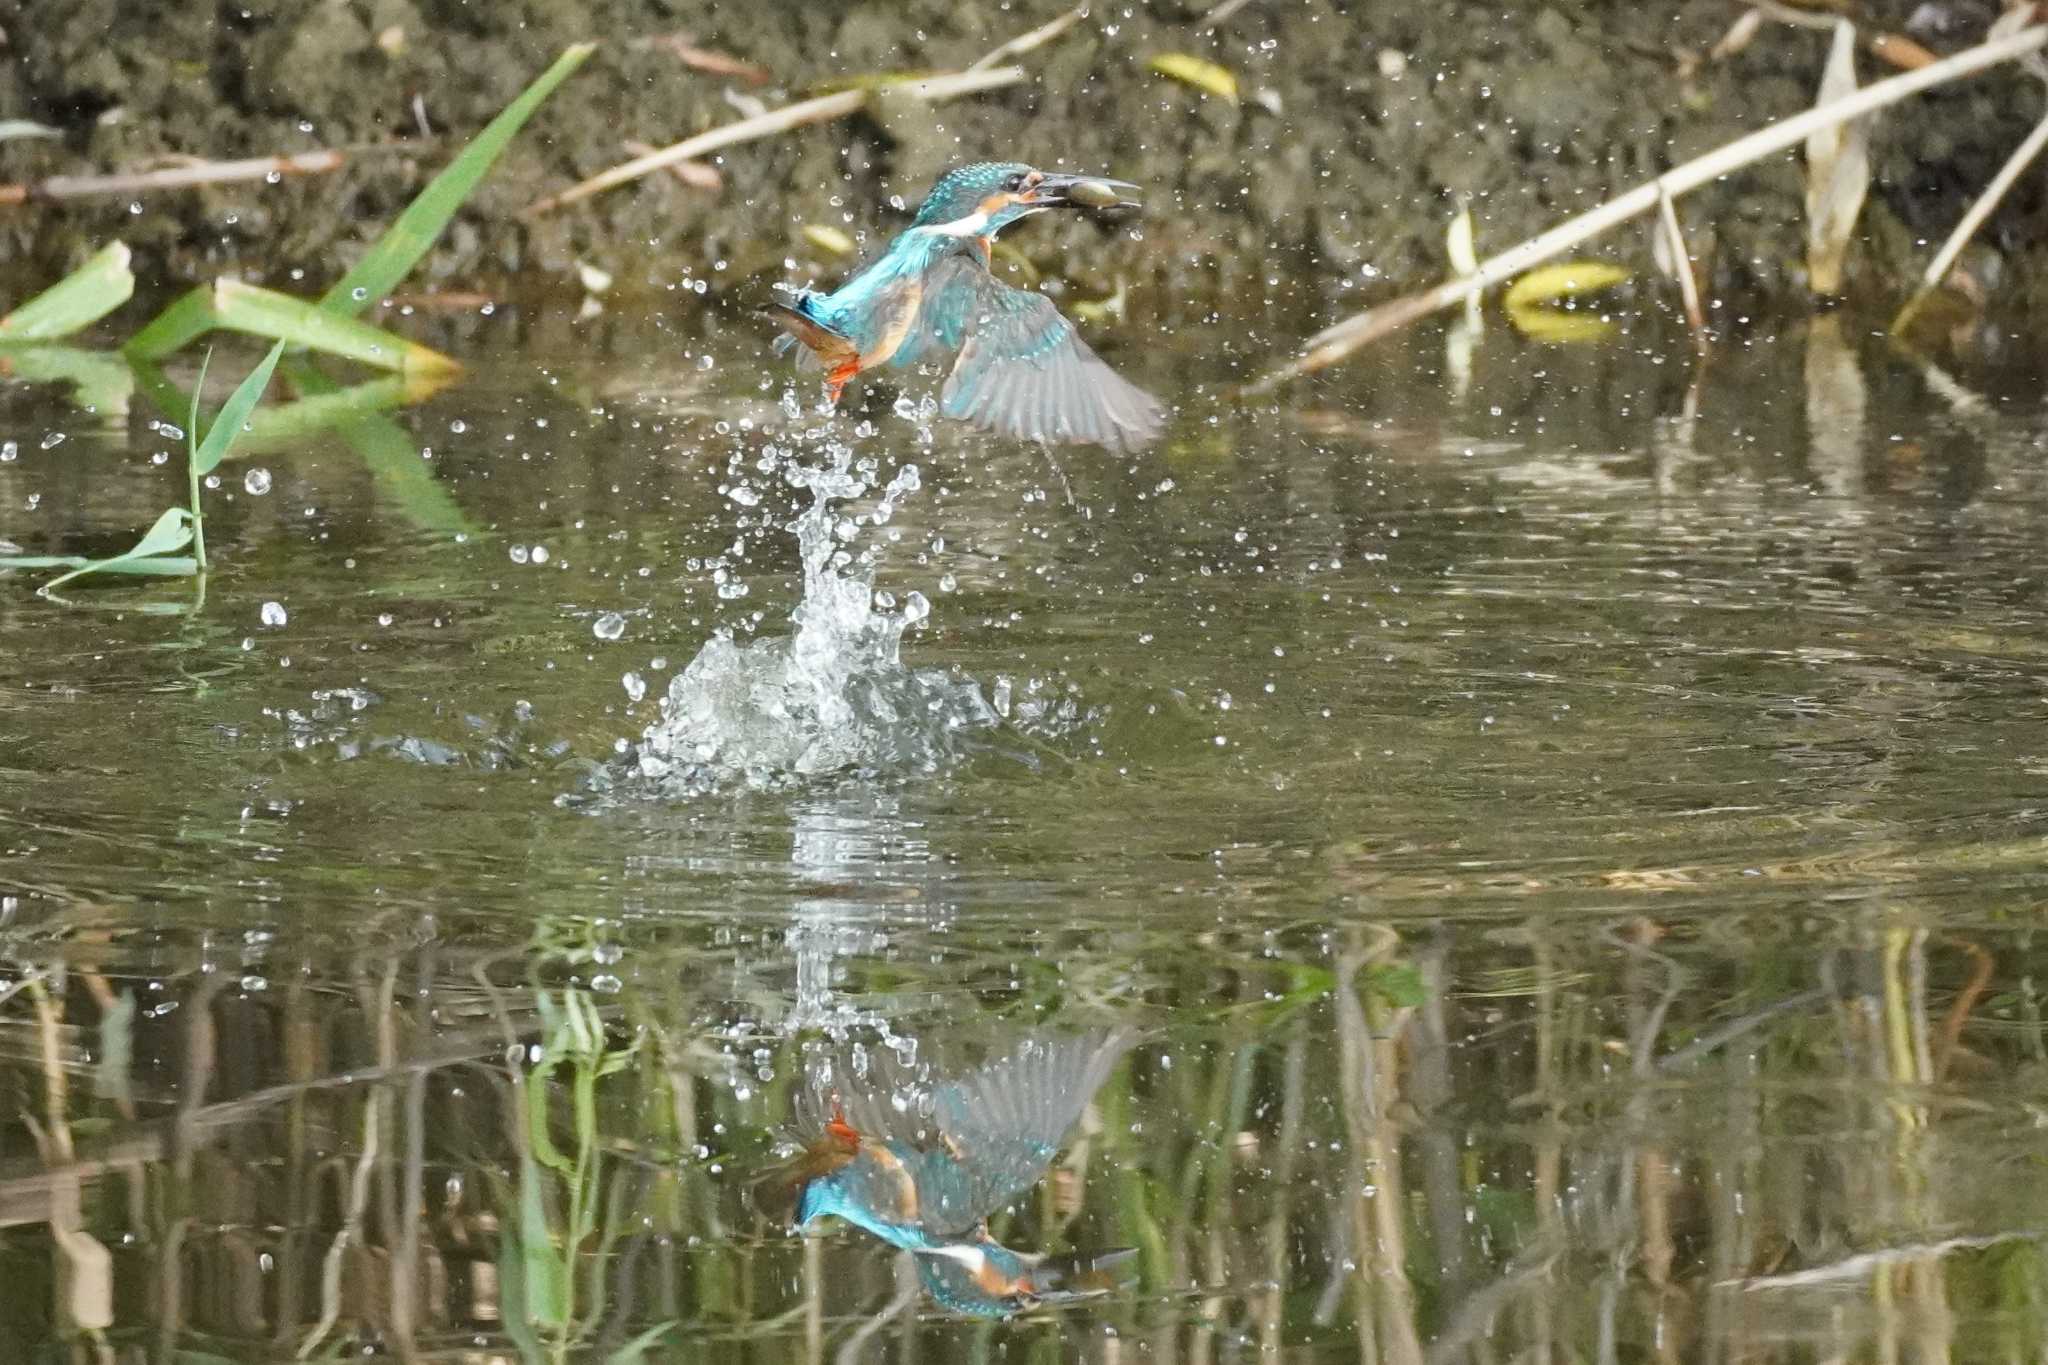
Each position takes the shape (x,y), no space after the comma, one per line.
(635,685)
(256,482)
(273,614)
(609,626)
(53,440)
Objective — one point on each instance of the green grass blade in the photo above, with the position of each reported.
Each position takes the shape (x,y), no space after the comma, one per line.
(263,312)
(172,532)
(209,452)
(189,316)
(394,254)
(78,300)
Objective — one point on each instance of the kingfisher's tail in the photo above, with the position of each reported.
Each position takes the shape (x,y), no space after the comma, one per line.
(830,346)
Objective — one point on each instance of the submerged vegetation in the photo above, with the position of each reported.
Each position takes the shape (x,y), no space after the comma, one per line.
(1563,838)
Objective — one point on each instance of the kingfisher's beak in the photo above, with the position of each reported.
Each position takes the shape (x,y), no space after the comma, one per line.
(1084,192)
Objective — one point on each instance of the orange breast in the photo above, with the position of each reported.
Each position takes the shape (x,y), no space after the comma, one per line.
(896,326)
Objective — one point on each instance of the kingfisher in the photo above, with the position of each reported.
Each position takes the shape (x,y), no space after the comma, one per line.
(923,1167)
(1019,367)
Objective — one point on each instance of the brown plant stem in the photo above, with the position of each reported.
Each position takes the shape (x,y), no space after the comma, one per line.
(185,177)
(1336,342)
(823,109)
(1945,259)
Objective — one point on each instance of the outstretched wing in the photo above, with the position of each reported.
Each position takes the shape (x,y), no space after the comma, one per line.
(971,1144)
(1000,1127)
(1023,370)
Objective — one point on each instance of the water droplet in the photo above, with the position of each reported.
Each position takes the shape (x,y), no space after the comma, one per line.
(272,177)
(948,583)
(540,554)
(384,618)
(273,614)
(256,482)
(458,426)
(635,685)
(705,362)
(359,293)
(9,452)
(744,496)
(53,440)
(520,554)
(609,626)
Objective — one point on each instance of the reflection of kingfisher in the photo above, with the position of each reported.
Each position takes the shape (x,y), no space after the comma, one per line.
(1022,369)
(924,1170)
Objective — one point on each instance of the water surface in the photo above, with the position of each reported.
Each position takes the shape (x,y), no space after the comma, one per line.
(1568,827)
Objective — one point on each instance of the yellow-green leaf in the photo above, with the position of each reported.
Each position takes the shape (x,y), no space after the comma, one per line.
(1548,283)
(1555,325)
(827,239)
(78,300)
(1458,243)
(1199,72)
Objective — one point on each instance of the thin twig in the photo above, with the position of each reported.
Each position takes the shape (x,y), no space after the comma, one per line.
(823,109)
(696,174)
(1036,38)
(1221,13)
(1945,259)
(1681,265)
(1334,343)
(184,177)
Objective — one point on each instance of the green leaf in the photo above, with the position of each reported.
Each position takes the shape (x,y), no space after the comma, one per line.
(208,453)
(172,532)
(78,300)
(1398,984)
(394,254)
(512,1297)
(542,1141)
(263,312)
(545,1276)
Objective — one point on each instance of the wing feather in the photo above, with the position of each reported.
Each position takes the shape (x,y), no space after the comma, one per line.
(1022,369)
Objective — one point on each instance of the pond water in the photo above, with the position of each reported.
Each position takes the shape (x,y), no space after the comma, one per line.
(1562,828)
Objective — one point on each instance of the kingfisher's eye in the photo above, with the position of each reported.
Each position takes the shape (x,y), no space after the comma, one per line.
(1014,183)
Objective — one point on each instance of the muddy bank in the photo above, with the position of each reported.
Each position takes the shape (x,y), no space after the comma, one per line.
(1359,124)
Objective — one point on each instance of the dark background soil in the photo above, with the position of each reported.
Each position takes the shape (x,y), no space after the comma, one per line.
(1332,172)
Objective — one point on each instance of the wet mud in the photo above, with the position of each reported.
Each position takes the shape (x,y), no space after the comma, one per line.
(1358,128)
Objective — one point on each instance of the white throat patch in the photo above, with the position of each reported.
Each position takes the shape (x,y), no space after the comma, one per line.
(970,226)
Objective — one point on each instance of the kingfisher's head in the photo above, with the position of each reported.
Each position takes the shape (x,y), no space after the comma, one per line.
(982,199)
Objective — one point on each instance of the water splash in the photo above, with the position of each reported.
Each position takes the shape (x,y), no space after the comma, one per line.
(833,696)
